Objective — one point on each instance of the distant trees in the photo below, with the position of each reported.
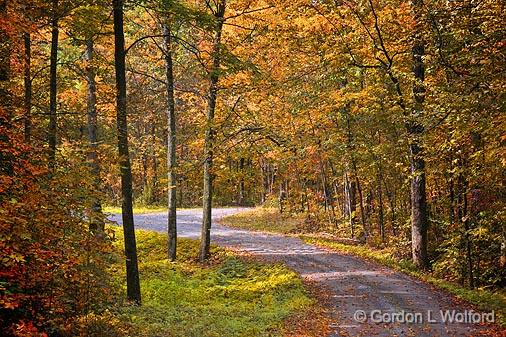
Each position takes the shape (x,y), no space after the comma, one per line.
(408,85)
(381,120)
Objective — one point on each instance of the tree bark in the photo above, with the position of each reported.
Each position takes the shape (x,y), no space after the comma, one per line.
(5,72)
(132,271)
(349,195)
(361,201)
(97,222)
(415,129)
(208,146)
(52,128)
(381,216)
(28,88)
(171,146)
(241,200)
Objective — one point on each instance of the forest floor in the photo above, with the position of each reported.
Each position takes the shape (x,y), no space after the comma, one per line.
(361,295)
(185,298)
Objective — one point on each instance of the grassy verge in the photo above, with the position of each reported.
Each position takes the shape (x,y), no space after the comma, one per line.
(146,209)
(231,296)
(270,220)
(262,219)
(137,209)
(485,300)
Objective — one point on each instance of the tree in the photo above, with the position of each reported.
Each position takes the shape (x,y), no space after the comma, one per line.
(132,269)
(53,121)
(28,87)
(96,221)
(5,69)
(415,128)
(207,198)
(171,142)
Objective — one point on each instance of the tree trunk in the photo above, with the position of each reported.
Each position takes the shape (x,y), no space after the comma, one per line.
(464,220)
(265,181)
(154,161)
(419,221)
(381,216)
(51,139)
(351,149)
(361,202)
(240,202)
(208,146)
(349,194)
(5,72)
(132,271)
(97,222)
(28,88)
(171,146)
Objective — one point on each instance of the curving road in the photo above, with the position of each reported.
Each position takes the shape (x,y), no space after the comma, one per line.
(355,286)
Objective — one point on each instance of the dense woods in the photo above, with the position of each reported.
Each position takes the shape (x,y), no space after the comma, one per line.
(377,120)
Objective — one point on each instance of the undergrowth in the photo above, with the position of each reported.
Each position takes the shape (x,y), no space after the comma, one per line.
(227,297)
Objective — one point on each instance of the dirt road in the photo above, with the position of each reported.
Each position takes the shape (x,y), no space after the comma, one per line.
(366,299)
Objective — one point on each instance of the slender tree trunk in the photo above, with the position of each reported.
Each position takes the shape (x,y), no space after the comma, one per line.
(28,88)
(265,181)
(361,201)
(502,258)
(208,147)
(241,183)
(132,271)
(464,220)
(381,216)
(52,129)
(349,192)
(5,72)
(154,161)
(469,253)
(171,145)
(351,149)
(419,222)
(97,222)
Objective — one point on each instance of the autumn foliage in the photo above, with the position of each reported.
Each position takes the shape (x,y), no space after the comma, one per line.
(317,109)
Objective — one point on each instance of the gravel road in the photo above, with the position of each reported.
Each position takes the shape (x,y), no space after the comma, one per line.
(355,286)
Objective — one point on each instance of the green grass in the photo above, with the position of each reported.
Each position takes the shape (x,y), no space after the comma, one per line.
(230,296)
(263,219)
(485,300)
(269,220)
(145,209)
(137,209)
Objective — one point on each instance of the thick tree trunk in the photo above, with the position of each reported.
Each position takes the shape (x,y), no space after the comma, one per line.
(171,146)
(97,222)
(28,88)
(52,128)
(132,271)
(208,147)
(419,221)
